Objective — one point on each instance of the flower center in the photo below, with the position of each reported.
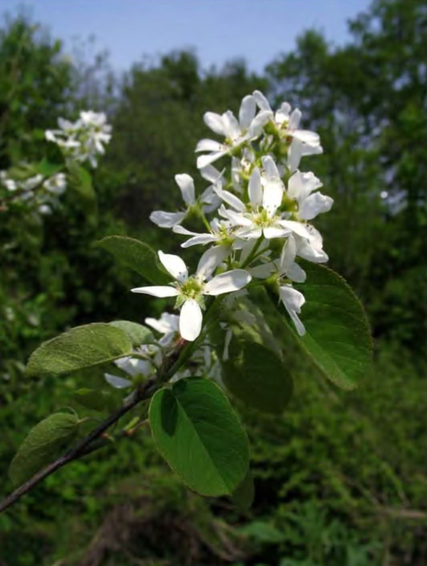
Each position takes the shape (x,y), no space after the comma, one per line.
(191,289)
(262,219)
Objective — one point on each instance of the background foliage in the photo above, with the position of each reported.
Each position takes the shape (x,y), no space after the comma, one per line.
(341,478)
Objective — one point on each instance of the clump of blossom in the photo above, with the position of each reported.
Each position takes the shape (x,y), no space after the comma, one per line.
(38,192)
(84,139)
(255,216)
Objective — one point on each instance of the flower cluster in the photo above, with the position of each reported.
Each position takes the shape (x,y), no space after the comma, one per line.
(79,141)
(84,139)
(256,212)
(37,191)
(148,358)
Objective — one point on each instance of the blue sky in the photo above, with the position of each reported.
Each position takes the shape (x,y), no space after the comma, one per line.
(219,30)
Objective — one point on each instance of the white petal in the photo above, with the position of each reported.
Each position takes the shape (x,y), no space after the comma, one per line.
(262,271)
(293,301)
(310,138)
(311,149)
(295,154)
(272,196)
(275,232)
(287,257)
(211,173)
(236,218)
(214,122)
(158,325)
(200,239)
(205,160)
(227,282)
(231,199)
(296,273)
(254,188)
(231,125)
(183,231)
(261,100)
(252,232)
(210,261)
(160,291)
(209,145)
(117,382)
(247,112)
(166,219)
(167,323)
(296,185)
(190,320)
(258,123)
(270,168)
(186,184)
(174,265)
(295,227)
(315,204)
(294,119)
(311,251)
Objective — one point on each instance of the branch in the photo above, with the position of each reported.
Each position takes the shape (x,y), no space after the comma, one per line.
(171,364)
(80,449)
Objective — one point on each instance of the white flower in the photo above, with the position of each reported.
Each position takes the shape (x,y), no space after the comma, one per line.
(45,209)
(304,142)
(84,139)
(56,184)
(133,367)
(221,233)
(170,219)
(284,267)
(311,248)
(293,301)
(31,183)
(208,200)
(265,196)
(301,187)
(190,290)
(236,132)
(10,184)
(167,324)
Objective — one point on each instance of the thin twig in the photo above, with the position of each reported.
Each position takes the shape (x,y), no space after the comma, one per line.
(171,364)
(81,448)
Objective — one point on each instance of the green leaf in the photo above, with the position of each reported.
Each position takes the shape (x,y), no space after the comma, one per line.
(257,376)
(137,333)
(42,445)
(337,331)
(199,435)
(243,495)
(137,256)
(79,348)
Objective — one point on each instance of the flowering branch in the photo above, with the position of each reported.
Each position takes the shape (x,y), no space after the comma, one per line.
(257,215)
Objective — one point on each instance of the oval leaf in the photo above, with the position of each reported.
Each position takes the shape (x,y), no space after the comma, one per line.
(42,445)
(79,348)
(137,333)
(199,435)
(257,376)
(137,256)
(337,331)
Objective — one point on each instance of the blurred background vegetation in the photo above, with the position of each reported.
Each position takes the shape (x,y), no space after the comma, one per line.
(341,478)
